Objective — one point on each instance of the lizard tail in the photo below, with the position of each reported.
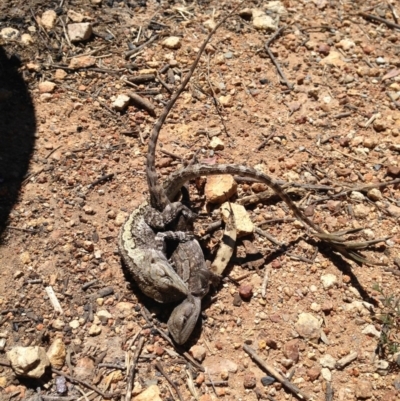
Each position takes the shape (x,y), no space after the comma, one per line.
(158,198)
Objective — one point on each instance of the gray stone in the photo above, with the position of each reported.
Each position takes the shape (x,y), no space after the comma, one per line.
(328,280)
(79,32)
(308,326)
(371,331)
(9,33)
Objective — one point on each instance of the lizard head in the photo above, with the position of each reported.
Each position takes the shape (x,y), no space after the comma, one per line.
(183,319)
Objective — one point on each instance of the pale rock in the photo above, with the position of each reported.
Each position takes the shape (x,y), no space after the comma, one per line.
(327,361)
(311,45)
(3,381)
(58,324)
(219,188)
(394,210)
(74,324)
(25,258)
(33,67)
(243,223)
(370,330)
(265,23)
(120,219)
(276,7)
(333,58)
(59,75)
(46,87)
(95,330)
(374,194)
(74,16)
(48,19)
(79,31)
(82,62)
(215,368)
(152,393)
(370,142)
(380,125)
(198,352)
(358,196)
(121,102)
(84,368)
(226,101)
(216,143)
(361,211)
(326,374)
(364,389)
(57,353)
(363,308)
(104,315)
(256,12)
(172,42)
(9,33)
(368,234)
(328,280)
(149,71)
(382,366)
(345,44)
(28,361)
(308,326)
(315,307)
(292,176)
(96,2)
(124,308)
(46,97)
(209,24)
(26,39)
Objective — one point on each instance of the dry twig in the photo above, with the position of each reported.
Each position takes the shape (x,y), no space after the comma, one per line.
(273,59)
(131,371)
(273,372)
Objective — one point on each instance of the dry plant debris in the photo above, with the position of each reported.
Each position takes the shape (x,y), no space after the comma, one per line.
(80,84)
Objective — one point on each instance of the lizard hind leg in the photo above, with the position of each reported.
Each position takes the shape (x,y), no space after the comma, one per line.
(159,220)
(174,209)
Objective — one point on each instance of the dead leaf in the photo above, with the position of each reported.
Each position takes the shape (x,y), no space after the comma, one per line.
(391,74)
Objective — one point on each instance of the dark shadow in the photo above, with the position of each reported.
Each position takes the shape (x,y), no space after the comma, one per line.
(17,129)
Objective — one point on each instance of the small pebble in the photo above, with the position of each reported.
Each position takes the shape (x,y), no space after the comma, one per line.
(237,300)
(267,380)
(246,291)
(249,380)
(198,352)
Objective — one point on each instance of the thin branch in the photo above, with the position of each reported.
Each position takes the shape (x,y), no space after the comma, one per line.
(131,372)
